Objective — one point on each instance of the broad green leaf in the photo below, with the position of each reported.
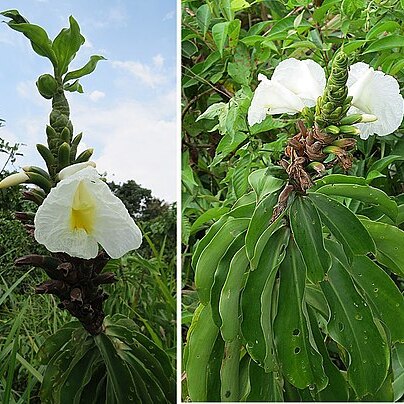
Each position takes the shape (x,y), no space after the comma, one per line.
(211,214)
(265,387)
(337,389)
(229,371)
(383,163)
(219,33)
(213,370)
(385,43)
(85,70)
(351,326)
(389,242)
(237,5)
(299,359)
(363,193)
(211,255)
(256,301)
(349,7)
(228,144)
(381,27)
(203,17)
(225,8)
(263,183)
(66,45)
(344,225)
(230,296)
(398,371)
(220,277)
(381,293)
(260,220)
(307,231)
(353,45)
(264,237)
(338,179)
(233,33)
(40,41)
(201,340)
(119,375)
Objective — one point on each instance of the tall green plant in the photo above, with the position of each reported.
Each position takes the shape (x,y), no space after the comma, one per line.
(296,297)
(98,358)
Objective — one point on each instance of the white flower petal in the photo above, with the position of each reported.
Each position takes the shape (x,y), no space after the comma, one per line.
(52,221)
(271,98)
(378,94)
(80,212)
(114,229)
(305,78)
(70,170)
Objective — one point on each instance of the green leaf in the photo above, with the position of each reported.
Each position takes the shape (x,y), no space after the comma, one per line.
(256,301)
(381,27)
(381,293)
(203,17)
(213,252)
(230,296)
(300,361)
(351,326)
(349,7)
(212,111)
(389,242)
(383,163)
(233,33)
(385,43)
(337,388)
(363,193)
(40,41)
(228,144)
(259,222)
(75,86)
(344,225)
(398,370)
(201,341)
(263,183)
(338,179)
(220,277)
(120,380)
(225,8)
(264,387)
(88,68)
(219,33)
(307,231)
(212,213)
(66,45)
(239,72)
(229,371)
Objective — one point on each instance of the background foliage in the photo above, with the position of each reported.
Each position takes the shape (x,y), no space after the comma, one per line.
(145,290)
(225,45)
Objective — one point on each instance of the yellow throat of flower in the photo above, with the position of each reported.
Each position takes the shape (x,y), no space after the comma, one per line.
(83,210)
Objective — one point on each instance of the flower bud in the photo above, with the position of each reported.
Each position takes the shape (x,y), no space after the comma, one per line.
(14,179)
(47,86)
(349,130)
(347,143)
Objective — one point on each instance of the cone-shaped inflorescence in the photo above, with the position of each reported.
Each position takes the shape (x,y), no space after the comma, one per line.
(322,142)
(333,105)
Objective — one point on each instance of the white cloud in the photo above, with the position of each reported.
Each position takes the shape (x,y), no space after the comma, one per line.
(96,95)
(158,61)
(143,72)
(133,140)
(169,16)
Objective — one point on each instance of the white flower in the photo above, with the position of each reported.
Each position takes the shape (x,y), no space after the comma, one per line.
(82,212)
(294,85)
(378,94)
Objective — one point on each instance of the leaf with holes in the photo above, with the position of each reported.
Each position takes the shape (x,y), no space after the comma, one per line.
(299,359)
(351,325)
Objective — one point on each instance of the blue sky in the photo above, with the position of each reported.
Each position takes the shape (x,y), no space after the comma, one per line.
(128,110)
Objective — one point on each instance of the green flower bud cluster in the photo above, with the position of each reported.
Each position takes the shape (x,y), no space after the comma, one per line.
(333,105)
